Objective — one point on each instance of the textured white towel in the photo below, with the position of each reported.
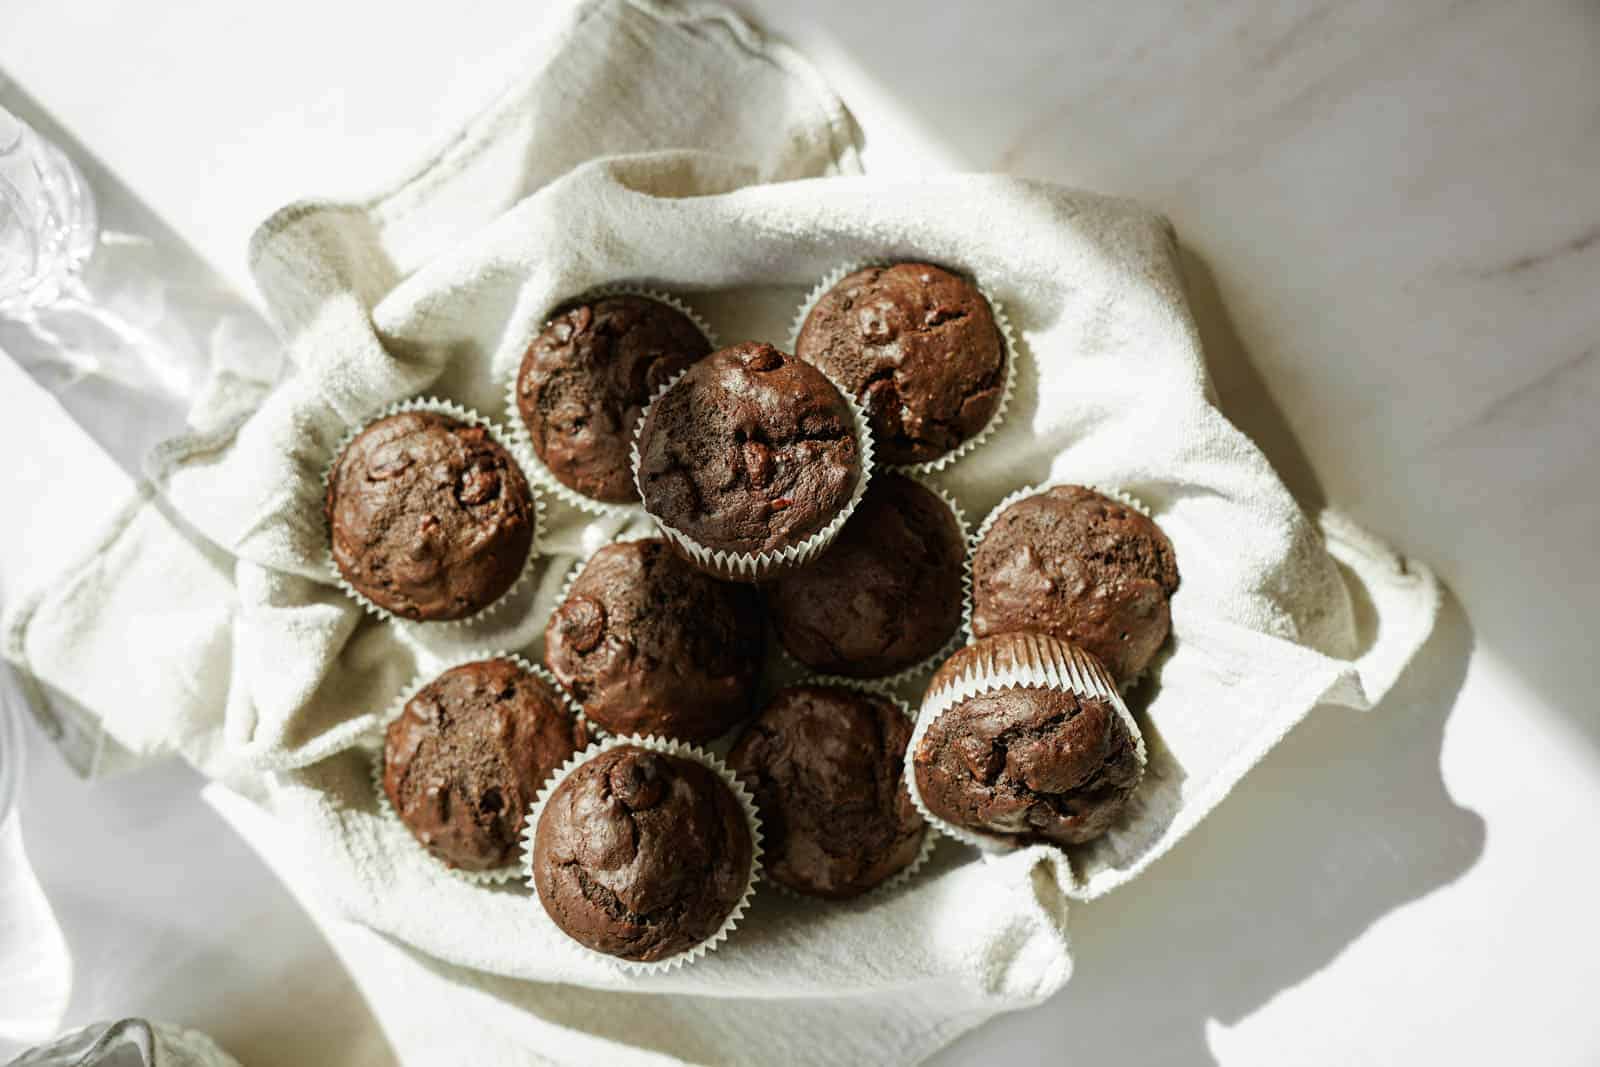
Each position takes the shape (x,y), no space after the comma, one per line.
(673,146)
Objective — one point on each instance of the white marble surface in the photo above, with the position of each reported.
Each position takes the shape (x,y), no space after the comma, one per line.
(1392,217)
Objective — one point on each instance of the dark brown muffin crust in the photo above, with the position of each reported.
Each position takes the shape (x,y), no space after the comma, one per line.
(825,764)
(885,595)
(466,758)
(641,855)
(649,645)
(1035,764)
(586,378)
(919,348)
(430,517)
(752,451)
(1080,567)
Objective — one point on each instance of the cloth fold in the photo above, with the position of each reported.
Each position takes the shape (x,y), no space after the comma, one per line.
(672,145)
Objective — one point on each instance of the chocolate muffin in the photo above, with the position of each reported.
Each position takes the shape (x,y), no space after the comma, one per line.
(430,517)
(641,855)
(466,758)
(752,451)
(586,378)
(887,593)
(919,348)
(1081,567)
(649,645)
(825,765)
(1028,763)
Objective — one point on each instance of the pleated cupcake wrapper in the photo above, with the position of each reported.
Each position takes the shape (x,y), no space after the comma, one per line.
(757,566)
(1001,320)
(930,836)
(1022,494)
(529,457)
(958,636)
(421,680)
(672,748)
(456,411)
(1043,667)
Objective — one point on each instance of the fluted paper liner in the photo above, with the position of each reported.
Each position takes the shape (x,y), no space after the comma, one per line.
(1022,494)
(757,566)
(958,636)
(672,748)
(462,414)
(1034,662)
(930,836)
(420,681)
(529,457)
(1001,321)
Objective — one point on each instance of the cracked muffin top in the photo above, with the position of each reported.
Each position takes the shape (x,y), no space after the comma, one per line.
(752,451)
(430,518)
(640,854)
(825,763)
(587,376)
(919,349)
(465,759)
(1082,567)
(647,644)
(886,595)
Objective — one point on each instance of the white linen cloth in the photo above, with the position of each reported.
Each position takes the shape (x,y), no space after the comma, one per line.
(671,145)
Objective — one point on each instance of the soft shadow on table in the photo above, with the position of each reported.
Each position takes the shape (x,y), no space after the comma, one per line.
(1242,393)
(1347,820)
(168,914)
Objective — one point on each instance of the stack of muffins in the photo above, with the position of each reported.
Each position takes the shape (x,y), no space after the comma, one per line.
(643,778)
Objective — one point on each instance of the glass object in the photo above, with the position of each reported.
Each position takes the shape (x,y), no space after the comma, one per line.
(48,226)
(128,1043)
(37,976)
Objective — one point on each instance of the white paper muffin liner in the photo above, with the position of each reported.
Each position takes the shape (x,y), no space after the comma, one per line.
(757,566)
(453,410)
(1043,666)
(529,457)
(672,748)
(421,680)
(958,636)
(930,835)
(1022,494)
(1001,320)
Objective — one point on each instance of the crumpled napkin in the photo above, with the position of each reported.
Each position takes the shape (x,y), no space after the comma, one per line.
(671,145)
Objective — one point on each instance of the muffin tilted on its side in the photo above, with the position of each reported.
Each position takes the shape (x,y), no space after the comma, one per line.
(1024,739)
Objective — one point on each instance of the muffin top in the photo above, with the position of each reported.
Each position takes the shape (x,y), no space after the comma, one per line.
(430,518)
(1033,763)
(647,644)
(919,348)
(640,854)
(825,765)
(886,595)
(467,756)
(1081,567)
(752,451)
(587,376)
